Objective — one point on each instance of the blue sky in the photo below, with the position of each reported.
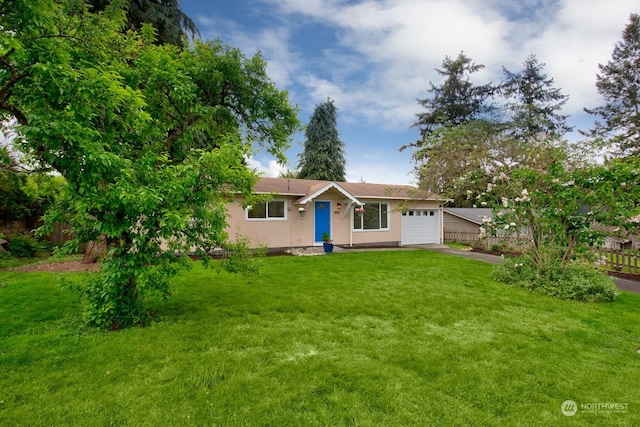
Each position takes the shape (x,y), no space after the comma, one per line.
(375,57)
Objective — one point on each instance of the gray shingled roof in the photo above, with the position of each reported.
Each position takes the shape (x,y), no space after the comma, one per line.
(470,214)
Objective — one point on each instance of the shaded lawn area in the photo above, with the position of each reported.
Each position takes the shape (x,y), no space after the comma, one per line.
(367,338)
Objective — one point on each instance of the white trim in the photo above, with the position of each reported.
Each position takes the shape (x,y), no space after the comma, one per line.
(361,230)
(326,188)
(441,225)
(283,218)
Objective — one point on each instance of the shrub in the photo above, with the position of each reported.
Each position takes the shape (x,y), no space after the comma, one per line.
(517,271)
(497,247)
(48,246)
(573,282)
(581,283)
(238,257)
(22,246)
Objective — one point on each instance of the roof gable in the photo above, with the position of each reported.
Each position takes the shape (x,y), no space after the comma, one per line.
(323,189)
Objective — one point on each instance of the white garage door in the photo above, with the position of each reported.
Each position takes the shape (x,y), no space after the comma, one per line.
(420,226)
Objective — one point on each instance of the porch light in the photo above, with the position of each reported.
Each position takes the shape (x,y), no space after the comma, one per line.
(302,212)
(339,205)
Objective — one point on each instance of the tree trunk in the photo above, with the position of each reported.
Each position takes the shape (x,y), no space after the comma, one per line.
(96,250)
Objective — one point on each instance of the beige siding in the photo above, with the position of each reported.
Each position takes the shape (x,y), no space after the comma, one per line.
(296,231)
(273,232)
(372,237)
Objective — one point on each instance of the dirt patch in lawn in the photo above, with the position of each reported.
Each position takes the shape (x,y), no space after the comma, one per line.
(56,267)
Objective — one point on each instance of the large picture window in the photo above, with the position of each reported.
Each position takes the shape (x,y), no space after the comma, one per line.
(375,217)
(274,209)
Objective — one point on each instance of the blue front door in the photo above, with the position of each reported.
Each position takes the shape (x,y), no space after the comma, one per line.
(323,219)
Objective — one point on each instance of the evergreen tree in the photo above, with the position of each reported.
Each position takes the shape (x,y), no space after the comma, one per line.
(619,84)
(465,141)
(456,101)
(171,23)
(14,202)
(533,103)
(323,156)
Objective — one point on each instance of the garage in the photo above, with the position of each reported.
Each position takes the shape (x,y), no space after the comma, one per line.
(420,226)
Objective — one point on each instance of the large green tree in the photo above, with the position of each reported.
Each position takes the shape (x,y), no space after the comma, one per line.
(455,101)
(465,140)
(323,155)
(453,110)
(618,82)
(533,105)
(151,139)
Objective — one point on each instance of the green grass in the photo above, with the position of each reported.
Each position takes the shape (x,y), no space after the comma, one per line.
(459,246)
(367,338)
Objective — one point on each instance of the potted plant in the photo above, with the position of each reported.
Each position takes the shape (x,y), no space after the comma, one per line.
(326,243)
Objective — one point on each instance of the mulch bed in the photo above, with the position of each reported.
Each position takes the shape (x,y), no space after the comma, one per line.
(498,253)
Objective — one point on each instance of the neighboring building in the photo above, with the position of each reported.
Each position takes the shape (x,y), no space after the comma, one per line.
(616,242)
(463,224)
(394,215)
(467,220)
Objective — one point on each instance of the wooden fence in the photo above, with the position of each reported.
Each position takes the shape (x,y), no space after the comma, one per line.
(620,260)
(59,234)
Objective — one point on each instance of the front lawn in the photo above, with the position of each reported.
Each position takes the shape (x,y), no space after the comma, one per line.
(367,338)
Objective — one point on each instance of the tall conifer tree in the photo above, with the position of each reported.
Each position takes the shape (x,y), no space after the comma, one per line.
(619,84)
(533,103)
(456,101)
(323,156)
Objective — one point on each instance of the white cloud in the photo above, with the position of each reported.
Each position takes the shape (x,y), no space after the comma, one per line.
(399,43)
(273,169)
(379,173)
(273,43)
(321,89)
(579,39)
(382,54)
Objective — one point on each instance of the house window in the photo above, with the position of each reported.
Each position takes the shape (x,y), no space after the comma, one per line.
(274,209)
(375,217)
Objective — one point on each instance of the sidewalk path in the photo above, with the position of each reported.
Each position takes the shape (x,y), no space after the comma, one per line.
(622,284)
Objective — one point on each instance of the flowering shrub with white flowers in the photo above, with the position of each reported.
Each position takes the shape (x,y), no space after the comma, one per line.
(553,212)
(558,215)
